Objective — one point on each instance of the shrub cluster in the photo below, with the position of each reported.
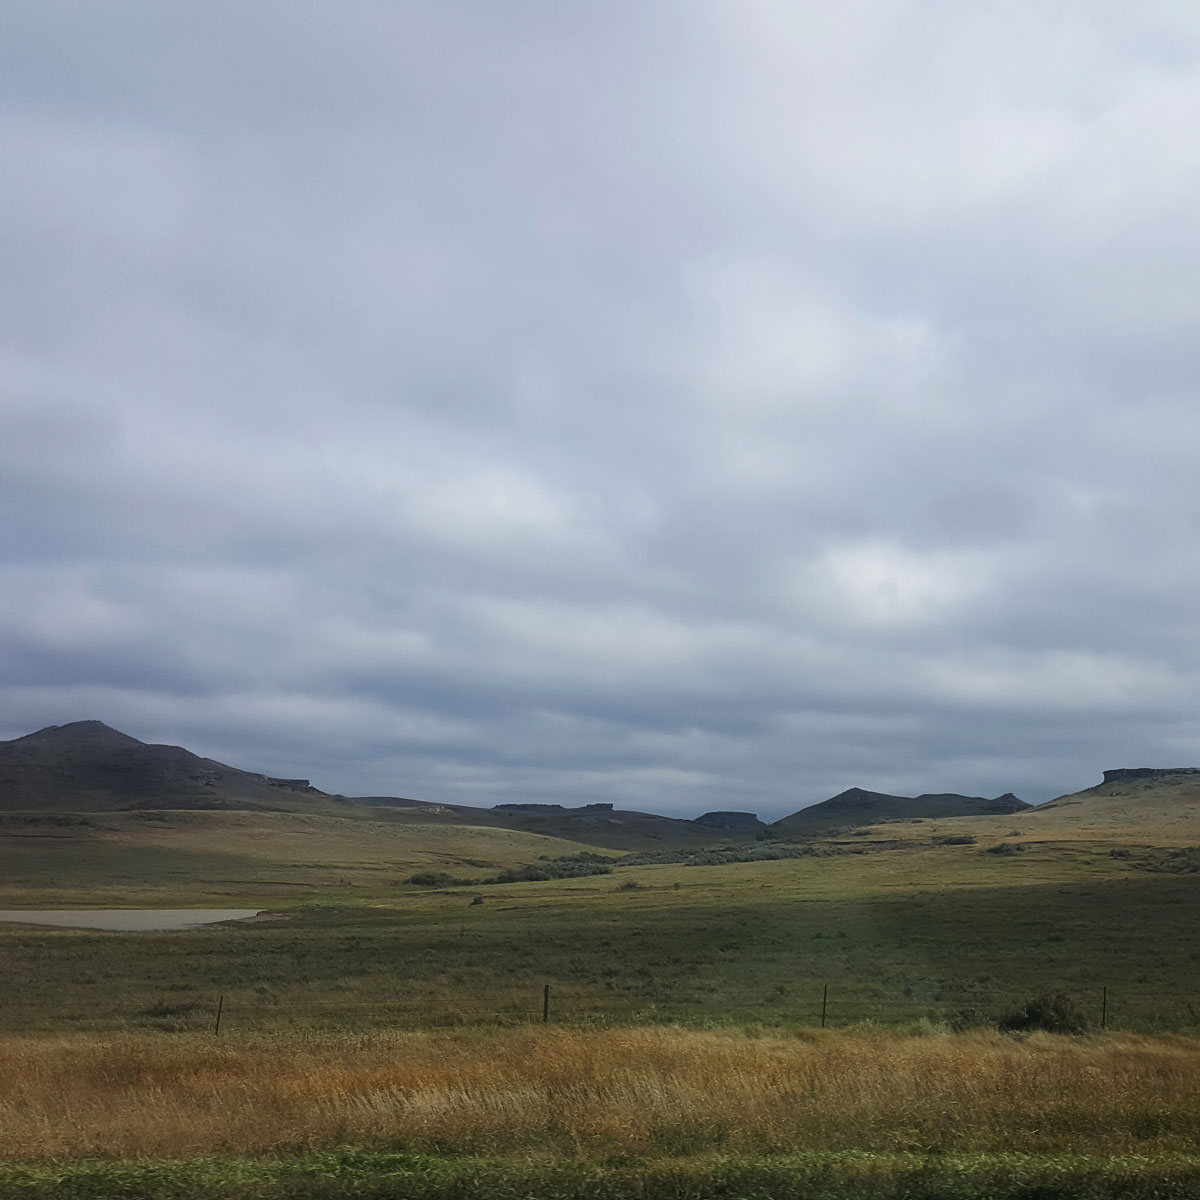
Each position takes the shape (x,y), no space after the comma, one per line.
(438,879)
(717,856)
(568,866)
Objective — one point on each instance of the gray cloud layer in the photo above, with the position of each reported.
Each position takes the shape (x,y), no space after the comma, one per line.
(684,405)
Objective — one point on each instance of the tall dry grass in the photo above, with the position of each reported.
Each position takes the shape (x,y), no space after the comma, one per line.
(557,1091)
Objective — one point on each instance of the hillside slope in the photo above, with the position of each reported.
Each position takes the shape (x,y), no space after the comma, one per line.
(1133,809)
(185,856)
(1144,804)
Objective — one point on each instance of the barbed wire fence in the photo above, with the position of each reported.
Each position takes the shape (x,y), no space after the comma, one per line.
(812,1006)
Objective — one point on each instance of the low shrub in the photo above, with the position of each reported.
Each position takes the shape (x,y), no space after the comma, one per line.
(1006,848)
(1051,1012)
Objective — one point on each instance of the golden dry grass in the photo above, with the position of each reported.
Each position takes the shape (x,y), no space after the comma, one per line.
(572,1092)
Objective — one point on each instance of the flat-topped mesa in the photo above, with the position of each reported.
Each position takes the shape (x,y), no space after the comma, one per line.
(729,820)
(550,808)
(1123,773)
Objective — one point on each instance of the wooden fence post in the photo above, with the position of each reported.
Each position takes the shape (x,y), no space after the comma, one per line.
(220,1005)
(1104,1009)
(824,1004)
(545,1004)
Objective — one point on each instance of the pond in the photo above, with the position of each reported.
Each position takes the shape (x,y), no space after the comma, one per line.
(126,920)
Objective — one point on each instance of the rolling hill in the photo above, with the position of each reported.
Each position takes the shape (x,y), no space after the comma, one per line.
(90,806)
(88,767)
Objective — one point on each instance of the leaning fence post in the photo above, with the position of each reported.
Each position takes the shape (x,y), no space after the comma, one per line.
(545,1004)
(220,1005)
(824,1004)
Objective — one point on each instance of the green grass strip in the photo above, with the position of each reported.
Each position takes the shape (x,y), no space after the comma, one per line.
(812,1176)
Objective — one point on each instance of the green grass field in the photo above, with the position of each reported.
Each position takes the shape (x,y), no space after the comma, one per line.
(896,935)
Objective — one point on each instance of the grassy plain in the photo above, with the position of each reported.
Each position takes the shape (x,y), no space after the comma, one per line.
(895,934)
(380,1039)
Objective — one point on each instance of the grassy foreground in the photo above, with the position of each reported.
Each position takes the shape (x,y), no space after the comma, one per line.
(656,1112)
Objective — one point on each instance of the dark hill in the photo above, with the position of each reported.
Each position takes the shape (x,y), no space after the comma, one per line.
(857,806)
(88,767)
(739,822)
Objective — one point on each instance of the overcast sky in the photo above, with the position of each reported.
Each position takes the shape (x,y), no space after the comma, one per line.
(686,405)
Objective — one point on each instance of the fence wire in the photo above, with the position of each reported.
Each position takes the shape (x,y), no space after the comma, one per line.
(803,1006)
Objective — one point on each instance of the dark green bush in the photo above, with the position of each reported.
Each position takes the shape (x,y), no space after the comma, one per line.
(1051,1012)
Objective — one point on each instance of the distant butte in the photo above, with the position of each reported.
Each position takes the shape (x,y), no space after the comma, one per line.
(1124,773)
(857,806)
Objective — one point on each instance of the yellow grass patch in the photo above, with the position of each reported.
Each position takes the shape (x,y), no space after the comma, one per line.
(566,1092)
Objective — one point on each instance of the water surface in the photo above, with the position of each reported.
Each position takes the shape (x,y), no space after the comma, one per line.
(127,920)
